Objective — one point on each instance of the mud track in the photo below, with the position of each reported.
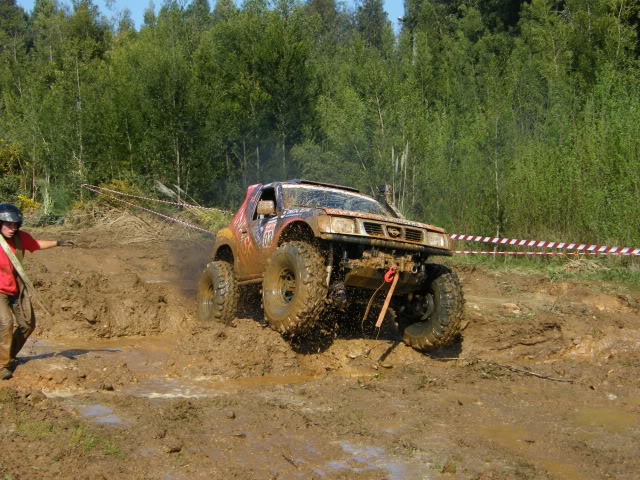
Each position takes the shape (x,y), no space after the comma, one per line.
(123,383)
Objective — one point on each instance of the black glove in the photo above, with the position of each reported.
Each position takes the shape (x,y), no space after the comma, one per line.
(65,243)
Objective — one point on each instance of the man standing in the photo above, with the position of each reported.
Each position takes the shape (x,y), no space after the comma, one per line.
(15,303)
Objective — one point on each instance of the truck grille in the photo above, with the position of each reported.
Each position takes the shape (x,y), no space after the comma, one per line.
(392,232)
(413,235)
(373,229)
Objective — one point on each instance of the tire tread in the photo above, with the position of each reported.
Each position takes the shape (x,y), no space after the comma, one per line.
(445,322)
(315,292)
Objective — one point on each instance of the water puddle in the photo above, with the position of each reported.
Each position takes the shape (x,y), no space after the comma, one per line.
(613,421)
(161,387)
(101,414)
(37,349)
(146,356)
(166,388)
(95,412)
(363,458)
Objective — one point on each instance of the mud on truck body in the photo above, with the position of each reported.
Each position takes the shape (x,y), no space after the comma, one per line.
(317,249)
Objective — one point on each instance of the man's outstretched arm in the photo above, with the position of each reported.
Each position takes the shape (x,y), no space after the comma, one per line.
(44,244)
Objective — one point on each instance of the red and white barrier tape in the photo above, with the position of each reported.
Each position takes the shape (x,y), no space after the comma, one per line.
(539,253)
(95,189)
(582,247)
(166,217)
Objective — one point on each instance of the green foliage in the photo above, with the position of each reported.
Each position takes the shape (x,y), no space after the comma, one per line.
(9,188)
(83,437)
(519,118)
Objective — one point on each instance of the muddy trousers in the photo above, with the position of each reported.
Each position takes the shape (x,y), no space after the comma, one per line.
(16,308)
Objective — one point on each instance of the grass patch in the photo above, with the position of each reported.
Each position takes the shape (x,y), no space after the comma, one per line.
(113,449)
(35,429)
(89,441)
(557,268)
(85,439)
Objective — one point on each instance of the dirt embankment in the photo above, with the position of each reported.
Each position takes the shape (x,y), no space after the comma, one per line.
(123,382)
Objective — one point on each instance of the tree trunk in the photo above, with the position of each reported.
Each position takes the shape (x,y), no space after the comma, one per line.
(79,133)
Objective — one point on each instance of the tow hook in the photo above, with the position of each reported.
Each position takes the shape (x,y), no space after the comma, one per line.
(390,274)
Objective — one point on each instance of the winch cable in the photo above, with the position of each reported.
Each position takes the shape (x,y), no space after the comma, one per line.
(366,312)
(166,217)
(100,190)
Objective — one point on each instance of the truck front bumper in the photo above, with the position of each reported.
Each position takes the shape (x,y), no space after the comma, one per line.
(375,242)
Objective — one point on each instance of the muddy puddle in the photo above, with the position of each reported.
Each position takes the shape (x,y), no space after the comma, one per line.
(98,413)
(149,360)
(365,458)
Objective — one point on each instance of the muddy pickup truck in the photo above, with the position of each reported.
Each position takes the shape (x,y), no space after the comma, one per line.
(317,249)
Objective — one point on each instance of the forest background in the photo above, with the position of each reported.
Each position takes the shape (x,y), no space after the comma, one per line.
(516,118)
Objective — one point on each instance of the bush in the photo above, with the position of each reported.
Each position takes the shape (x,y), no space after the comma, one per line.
(9,188)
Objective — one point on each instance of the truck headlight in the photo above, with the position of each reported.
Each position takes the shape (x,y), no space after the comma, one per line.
(343,225)
(438,240)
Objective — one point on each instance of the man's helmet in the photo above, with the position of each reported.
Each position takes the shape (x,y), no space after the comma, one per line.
(10,213)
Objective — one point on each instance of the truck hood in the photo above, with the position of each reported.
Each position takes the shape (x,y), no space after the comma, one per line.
(382,218)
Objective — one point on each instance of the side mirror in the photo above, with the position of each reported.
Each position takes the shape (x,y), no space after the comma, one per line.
(267,208)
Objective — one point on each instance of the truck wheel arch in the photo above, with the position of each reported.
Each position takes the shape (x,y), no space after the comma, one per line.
(224,253)
(296,230)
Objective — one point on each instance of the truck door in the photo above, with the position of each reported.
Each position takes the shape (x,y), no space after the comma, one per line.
(260,231)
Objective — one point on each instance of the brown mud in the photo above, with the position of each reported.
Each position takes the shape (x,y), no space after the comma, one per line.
(124,383)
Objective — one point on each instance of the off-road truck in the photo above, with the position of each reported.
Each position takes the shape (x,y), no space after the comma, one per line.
(316,248)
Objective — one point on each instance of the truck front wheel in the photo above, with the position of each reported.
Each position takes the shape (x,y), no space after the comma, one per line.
(432,317)
(294,289)
(217,293)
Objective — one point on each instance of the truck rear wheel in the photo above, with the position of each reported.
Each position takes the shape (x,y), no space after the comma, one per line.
(294,289)
(432,318)
(217,293)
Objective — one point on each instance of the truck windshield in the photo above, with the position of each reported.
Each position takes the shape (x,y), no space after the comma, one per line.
(324,197)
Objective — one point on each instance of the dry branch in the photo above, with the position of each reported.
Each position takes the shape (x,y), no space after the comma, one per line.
(508,367)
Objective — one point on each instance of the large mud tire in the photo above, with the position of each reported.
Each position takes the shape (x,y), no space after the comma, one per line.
(294,289)
(444,295)
(217,293)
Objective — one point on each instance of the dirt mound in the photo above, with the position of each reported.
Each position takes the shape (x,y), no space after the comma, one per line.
(246,349)
(92,304)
